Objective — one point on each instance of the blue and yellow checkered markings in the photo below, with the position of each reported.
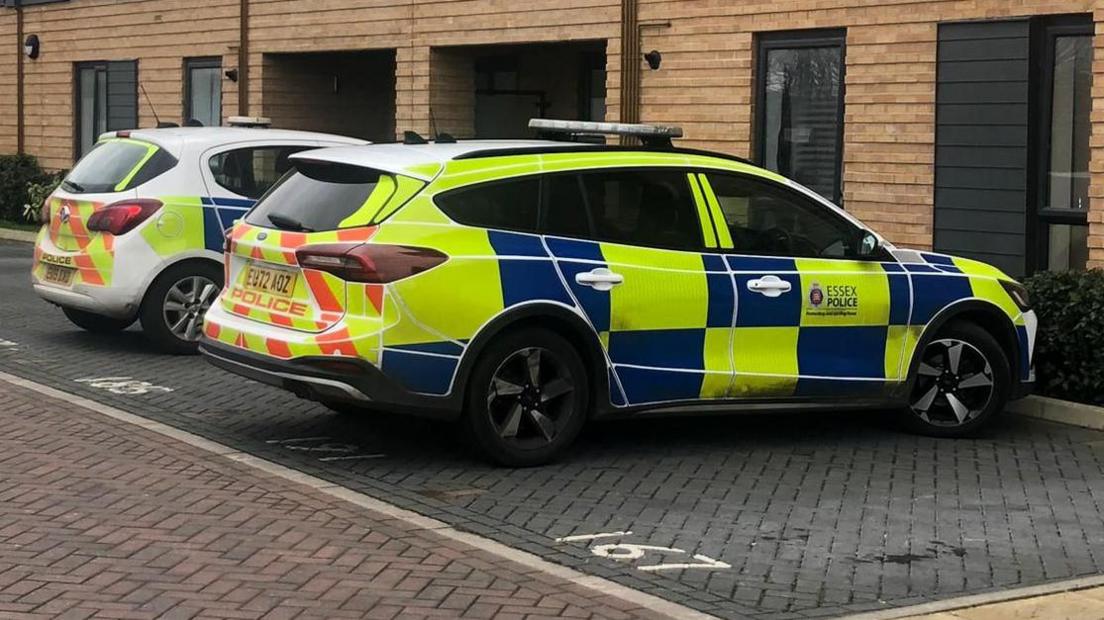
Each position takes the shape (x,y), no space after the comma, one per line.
(570,254)
(420,372)
(219,214)
(760,264)
(525,276)
(933,292)
(900,299)
(831,352)
(722,300)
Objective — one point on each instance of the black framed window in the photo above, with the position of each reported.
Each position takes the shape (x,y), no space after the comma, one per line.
(1064,126)
(203,91)
(105,99)
(799,107)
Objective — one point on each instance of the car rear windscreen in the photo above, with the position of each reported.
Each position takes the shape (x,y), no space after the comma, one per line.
(314,196)
(117,165)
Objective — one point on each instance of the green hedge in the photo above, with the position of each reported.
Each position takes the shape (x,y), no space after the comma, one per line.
(1069,350)
(17,174)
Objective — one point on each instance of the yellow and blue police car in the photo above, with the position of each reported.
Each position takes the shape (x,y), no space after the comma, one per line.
(524,287)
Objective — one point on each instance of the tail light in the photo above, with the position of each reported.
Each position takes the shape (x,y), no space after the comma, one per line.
(122,217)
(372,263)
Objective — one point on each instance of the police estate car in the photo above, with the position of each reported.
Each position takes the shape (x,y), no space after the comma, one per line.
(524,287)
(136,230)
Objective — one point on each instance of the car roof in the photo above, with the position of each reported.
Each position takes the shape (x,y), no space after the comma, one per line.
(177,139)
(417,159)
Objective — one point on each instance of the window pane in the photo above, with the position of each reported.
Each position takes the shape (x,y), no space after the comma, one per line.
(510,205)
(644,207)
(771,221)
(205,105)
(106,165)
(1070,123)
(101,101)
(1069,247)
(319,197)
(87,118)
(801,116)
(563,210)
(250,172)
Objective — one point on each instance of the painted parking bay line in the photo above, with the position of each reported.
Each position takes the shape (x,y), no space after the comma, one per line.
(526,559)
(124,386)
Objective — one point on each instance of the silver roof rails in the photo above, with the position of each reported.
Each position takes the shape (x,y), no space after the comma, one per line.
(650,135)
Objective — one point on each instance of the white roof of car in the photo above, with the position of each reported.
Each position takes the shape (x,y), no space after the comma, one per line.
(176,139)
(400,158)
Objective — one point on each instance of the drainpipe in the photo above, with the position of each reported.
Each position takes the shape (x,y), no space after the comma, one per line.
(243,58)
(20,59)
(630,64)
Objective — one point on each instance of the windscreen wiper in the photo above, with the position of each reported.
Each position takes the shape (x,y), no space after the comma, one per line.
(286,222)
(73,187)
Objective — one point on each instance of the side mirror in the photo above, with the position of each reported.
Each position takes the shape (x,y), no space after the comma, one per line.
(867,245)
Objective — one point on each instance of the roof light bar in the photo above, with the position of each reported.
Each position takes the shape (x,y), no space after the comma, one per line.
(651,135)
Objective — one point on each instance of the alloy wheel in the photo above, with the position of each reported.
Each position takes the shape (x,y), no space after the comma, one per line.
(530,398)
(185,305)
(954,383)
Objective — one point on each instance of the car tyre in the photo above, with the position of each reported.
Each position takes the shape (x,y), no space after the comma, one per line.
(527,398)
(96,323)
(962,383)
(173,309)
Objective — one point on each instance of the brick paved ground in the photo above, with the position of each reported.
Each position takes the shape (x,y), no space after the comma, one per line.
(817,515)
(98,517)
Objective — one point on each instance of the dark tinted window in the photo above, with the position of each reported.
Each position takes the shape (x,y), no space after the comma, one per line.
(643,207)
(314,197)
(251,171)
(110,163)
(563,207)
(509,205)
(770,220)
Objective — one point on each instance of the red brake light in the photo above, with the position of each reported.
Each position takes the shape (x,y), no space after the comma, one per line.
(122,217)
(372,263)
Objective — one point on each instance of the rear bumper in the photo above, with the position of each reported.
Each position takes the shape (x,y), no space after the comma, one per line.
(105,301)
(306,377)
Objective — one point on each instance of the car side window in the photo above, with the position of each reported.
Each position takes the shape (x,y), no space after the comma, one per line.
(643,207)
(563,207)
(509,205)
(251,171)
(766,219)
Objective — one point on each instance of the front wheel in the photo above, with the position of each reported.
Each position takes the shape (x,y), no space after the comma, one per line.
(96,323)
(962,382)
(527,398)
(173,310)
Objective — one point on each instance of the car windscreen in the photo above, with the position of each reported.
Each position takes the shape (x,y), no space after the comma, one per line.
(117,165)
(314,196)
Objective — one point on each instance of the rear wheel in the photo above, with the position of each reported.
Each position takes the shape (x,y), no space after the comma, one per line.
(527,398)
(96,323)
(173,310)
(962,382)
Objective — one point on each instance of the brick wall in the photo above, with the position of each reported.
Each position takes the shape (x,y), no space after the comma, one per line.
(705,83)
(7,83)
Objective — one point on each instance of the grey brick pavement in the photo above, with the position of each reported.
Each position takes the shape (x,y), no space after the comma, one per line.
(817,515)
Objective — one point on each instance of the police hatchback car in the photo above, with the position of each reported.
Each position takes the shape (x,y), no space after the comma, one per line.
(136,230)
(526,287)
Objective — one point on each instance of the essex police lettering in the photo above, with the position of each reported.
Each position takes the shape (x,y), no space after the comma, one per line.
(269,302)
(841,296)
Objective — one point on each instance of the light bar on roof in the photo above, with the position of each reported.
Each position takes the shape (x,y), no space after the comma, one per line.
(549,125)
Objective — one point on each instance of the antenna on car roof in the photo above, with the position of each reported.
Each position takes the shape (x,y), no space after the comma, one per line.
(150,103)
(413,137)
(657,136)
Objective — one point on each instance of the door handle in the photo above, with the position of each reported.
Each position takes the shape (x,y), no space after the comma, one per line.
(769,286)
(600,279)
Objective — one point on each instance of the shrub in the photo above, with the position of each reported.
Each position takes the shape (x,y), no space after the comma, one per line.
(37,193)
(17,173)
(1069,350)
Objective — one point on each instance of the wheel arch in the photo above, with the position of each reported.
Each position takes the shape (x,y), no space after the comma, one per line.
(985,315)
(183,259)
(561,319)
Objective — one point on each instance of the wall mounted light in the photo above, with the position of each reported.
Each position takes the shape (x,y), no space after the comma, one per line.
(654,59)
(31,46)
(232,75)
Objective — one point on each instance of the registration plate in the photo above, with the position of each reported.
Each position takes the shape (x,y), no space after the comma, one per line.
(59,275)
(277,282)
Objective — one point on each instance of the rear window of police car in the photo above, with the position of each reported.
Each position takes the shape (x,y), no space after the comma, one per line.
(111,167)
(314,196)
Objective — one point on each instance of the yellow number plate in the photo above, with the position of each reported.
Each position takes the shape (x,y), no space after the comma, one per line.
(277,282)
(59,275)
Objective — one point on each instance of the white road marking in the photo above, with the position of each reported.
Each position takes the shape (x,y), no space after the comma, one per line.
(7,344)
(125,386)
(419,522)
(352,457)
(582,537)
